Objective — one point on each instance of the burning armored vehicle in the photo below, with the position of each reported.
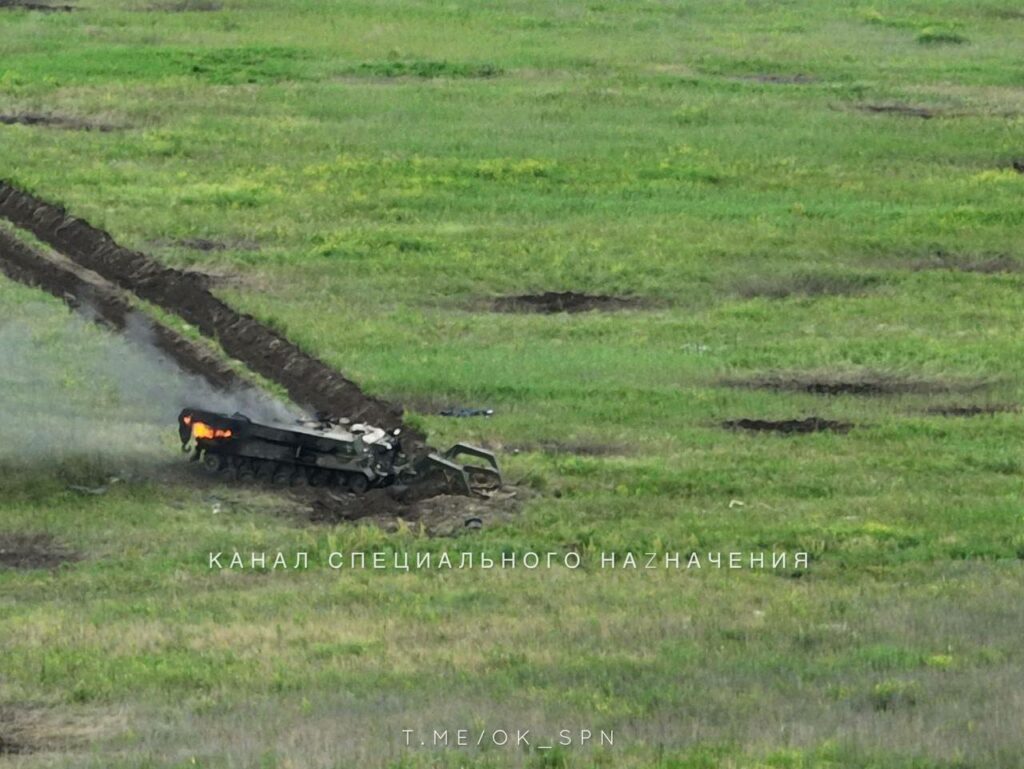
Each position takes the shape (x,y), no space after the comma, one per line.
(326,453)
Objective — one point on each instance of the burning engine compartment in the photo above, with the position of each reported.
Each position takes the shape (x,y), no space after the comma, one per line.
(329,453)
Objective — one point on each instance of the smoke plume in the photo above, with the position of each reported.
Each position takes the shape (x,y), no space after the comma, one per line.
(72,389)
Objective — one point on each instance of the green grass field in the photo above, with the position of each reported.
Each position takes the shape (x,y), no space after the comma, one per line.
(800,189)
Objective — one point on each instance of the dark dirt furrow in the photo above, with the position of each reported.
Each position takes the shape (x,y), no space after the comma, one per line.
(552,302)
(310,382)
(103,304)
(789,426)
(21,5)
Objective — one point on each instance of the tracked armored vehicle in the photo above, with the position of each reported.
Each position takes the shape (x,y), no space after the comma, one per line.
(356,457)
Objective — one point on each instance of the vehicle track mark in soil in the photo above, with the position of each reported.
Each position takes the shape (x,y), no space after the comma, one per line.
(10,747)
(899,109)
(55,121)
(33,551)
(807,285)
(789,426)
(774,79)
(103,303)
(310,382)
(986,264)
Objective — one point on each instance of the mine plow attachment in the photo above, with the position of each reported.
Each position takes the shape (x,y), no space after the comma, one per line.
(471,479)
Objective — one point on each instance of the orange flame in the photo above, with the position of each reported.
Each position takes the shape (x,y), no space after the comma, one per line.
(201,430)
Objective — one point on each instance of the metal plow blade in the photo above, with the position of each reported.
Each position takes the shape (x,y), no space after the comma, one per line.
(471,479)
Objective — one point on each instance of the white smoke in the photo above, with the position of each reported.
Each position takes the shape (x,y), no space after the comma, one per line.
(72,389)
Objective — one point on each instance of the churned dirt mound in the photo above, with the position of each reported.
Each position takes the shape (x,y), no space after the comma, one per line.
(33,551)
(864,383)
(439,515)
(94,297)
(789,426)
(566,301)
(28,6)
(55,121)
(972,411)
(310,382)
(989,264)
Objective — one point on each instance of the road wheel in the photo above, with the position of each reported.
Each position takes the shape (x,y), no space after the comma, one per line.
(213,463)
(357,483)
(244,470)
(282,475)
(318,477)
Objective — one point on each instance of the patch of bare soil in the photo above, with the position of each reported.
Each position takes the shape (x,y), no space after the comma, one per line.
(905,110)
(972,411)
(865,383)
(439,515)
(989,264)
(33,551)
(552,302)
(28,6)
(807,285)
(789,426)
(310,382)
(55,121)
(94,297)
